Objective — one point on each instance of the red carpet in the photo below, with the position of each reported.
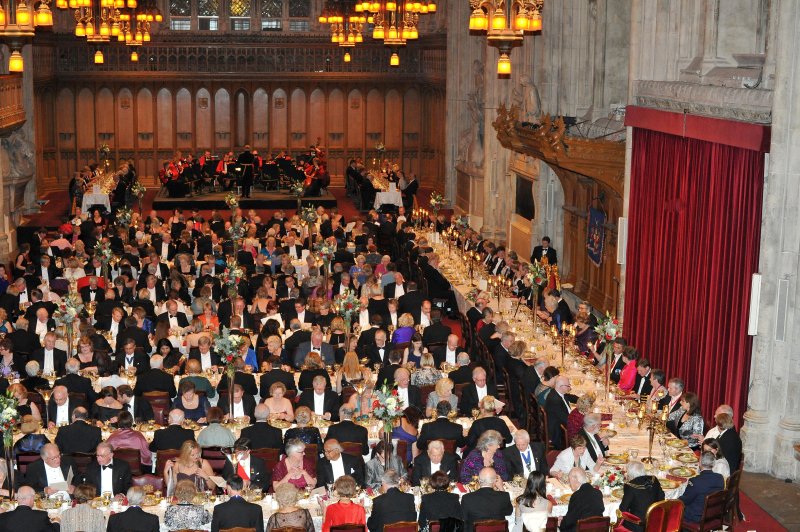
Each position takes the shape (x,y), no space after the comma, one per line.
(755,517)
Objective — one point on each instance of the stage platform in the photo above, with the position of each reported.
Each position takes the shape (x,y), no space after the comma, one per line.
(258,200)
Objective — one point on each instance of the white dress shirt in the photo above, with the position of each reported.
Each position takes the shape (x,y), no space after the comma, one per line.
(114,328)
(54,475)
(338,468)
(569,408)
(402,394)
(424,320)
(45,275)
(319,404)
(41,328)
(205,360)
(593,442)
(450,356)
(301,316)
(107,479)
(164,252)
(238,409)
(399,291)
(482,391)
(528,461)
(435,467)
(393,318)
(62,413)
(48,361)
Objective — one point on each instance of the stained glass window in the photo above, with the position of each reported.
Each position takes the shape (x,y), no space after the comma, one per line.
(240,15)
(299,8)
(271,8)
(181,8)
(208,11)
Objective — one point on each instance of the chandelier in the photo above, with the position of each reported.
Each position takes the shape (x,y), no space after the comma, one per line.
(18,22)
(100,21)
(505,23)
(347,24)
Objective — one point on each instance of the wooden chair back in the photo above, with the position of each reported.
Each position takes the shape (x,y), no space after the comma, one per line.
(81,460)
(594,524)
(449,446)
(732,511)
(349,527)
(159,402)
(491,525)
(402,526)
(552,524)
(664,516)
(312,451)
(215,457)
(280,529)
(713,512)
(132,457)
(353,448)
(424,391)
(156,482)
(271,457)
(163,456)
(24,459)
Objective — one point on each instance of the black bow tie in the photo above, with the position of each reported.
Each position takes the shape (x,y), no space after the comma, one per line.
(109,466)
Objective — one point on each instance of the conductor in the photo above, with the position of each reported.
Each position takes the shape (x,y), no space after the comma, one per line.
(247,160)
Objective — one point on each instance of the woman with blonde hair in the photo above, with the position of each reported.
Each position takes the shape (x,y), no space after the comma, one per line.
(350,372)
(575,419)
(488,420)
(312,366)
(443,391)
(427,374)
(405,329)
(5,325)
(188,466)
(24,407)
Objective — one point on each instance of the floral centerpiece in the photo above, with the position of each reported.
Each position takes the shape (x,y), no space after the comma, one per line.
(325,251)
(461,222)
(387,407)
(297,189)
(231,200)
(124,217)
(67,312)
(138,189)
(347,305)
(309,214)
(472,295)
(437,202)
(237,232)
(232,275)
(609,329)
(613,477)
(102,250)
(229,347)
(537,274)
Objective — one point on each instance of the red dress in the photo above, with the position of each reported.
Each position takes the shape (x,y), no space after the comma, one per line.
(343,514)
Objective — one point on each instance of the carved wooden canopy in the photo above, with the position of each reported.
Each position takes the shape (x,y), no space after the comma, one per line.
(599,159)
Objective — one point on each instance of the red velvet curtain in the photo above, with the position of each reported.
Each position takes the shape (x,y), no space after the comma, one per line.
(693,241)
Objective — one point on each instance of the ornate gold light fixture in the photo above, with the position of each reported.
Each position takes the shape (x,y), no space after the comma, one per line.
(18,23)
(505,23)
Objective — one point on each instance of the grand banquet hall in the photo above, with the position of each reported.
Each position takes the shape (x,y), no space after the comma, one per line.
(344,265)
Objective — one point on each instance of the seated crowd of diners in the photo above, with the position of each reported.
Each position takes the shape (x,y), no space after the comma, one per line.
(155,320)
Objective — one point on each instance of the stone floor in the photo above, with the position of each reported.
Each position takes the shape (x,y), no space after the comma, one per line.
(778,498)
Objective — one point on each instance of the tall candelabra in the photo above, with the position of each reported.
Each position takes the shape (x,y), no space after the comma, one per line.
(654,421)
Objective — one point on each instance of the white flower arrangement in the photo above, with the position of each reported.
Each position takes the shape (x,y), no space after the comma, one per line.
(68,310)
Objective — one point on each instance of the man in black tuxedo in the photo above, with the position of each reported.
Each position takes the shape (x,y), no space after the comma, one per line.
(562,315)
(617,364)
(133,330)
(37,303)
(437,332)
(76,383)
(107,474)
(448,352)
(173,317)
(586,501)
(595,444)
(407,392)
(348,431)
(139,407)
(378,352)
(367,337)
(204,354)
(336,464)
(273,372)
(411,301)
(316,344)
(60,406)
(104,313)
(675,389)
(21,339)
(92,292)
(441,428)
(42,324)
(42,473)
(642,385)
(243,403)
(155,379)
(236,512)
(463,374)
(436,459)
(297,337)
(386,373)
(261,434)
(320,400)
(131,358)
(50,358)
(134,519)
(525,456)
(545,251)
(393,506)
(475,391)
(172,436)
(246,380)
(557,408)
(500,353)
(79,436)
(249,468)
(730,442)
(488,502)
(24,517)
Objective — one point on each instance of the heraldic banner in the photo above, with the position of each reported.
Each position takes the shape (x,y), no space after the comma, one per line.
(596,235)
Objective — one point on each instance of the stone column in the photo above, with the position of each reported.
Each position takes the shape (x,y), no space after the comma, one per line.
(772,421)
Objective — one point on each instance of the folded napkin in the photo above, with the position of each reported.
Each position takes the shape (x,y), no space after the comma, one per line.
(676,478)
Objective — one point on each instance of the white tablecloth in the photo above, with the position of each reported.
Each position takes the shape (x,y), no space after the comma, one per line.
(90,199)
(388,198)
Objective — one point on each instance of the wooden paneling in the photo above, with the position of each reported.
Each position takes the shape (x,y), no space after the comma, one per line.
(297,121)
(183,102)
(12,106)
(203,122)
(394,117)
(316,117)
(355,120)
(375,118)
(127,127)
(336,114)
(260,119)
(242,120)
(144,118)
(165,133)
(86,120)
(222,120)
(279,117)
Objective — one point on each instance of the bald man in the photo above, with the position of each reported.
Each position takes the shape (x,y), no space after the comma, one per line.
(24,517)
(488,502)
(558,405)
